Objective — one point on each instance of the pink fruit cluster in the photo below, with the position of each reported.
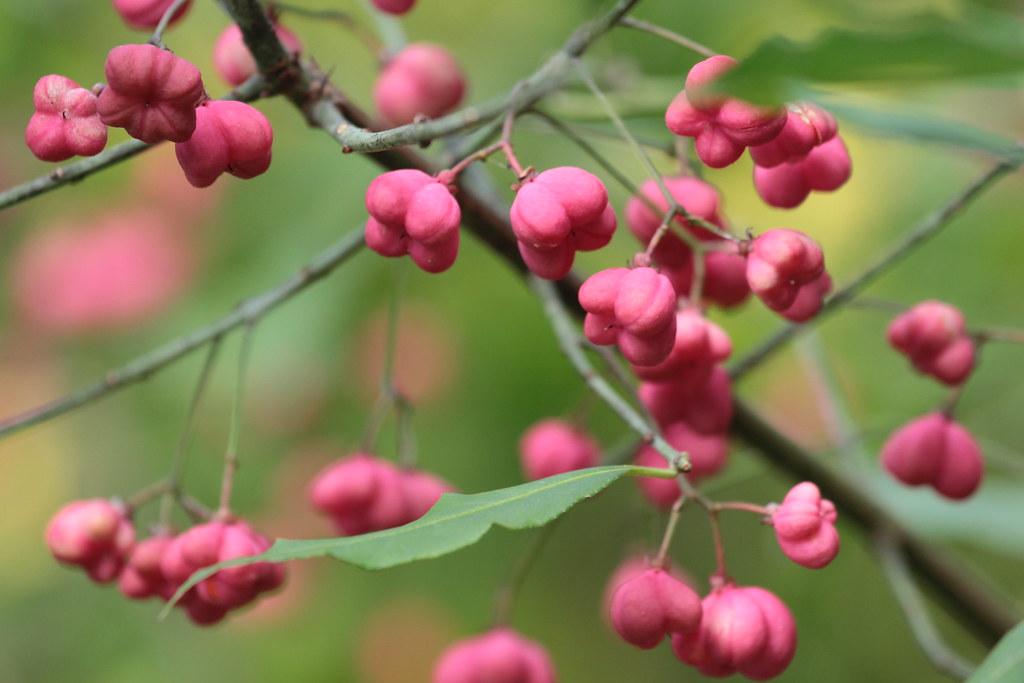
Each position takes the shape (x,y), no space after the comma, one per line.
(653,604)
(423,80)
(232,58)
(722,127)
(634,308)
(146,14)
(805,526)
(933,335)
(690,396)
(554,446)
(786,270)
(150,93)
(724,269)
(94,534)
(557,213)
(229,137)
(745,630)
(98,535)
(362,493)
(938,451)
(500,655)
(65,122)
(807,155)
(416,214)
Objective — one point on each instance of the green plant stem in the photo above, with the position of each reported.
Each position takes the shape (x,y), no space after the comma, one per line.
(507,594)
(671,36)
(938,652)
(249,311)
(235,435)
(913,238)
(158,33)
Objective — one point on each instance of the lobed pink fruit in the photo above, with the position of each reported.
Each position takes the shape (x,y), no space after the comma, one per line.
(104,273)
(150,93)
(805,526)
(500,656)
(394,6)
(725,276)
(699,344)
(781,264)
(65,122)
(702,401)
(693,194)
(234,62)
(824,169)
(744,630)
(413,213)
(651,605)
(230,137)
(554,446)
(634,308)
(94,534)
(722,126)
(423,80)
(708,454)
(421,491)
(143,576)
(146,14)
(557,213)
(933,335)
(938,451)
(807,126)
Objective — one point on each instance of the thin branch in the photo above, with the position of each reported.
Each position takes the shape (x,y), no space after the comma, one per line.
(671,36)
(927,227)
(249,311)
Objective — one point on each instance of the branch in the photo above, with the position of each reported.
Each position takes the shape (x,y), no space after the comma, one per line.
(248,312)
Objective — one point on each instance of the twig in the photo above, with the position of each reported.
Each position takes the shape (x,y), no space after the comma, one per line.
(672,36)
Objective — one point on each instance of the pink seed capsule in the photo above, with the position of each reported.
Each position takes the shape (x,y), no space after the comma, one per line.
(65,122)
(501,655)
(554,446)
(146,14)
(935,450)
(394,6)
(232,58)
(805,527)
(651,605)
(230,137)
(933,335)
(94,534)
(422,80)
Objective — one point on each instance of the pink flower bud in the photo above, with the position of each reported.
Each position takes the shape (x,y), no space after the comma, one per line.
(934,336)
(501,655)
(805,527)
(743,630)
(552,447)
(230,137)
(938,451)
(648,606)
(146,14)
(232,58)
(65,122)
(826,168)
(150,93)
(422,80)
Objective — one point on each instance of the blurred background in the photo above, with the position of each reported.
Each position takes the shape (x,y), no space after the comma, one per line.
(474,352)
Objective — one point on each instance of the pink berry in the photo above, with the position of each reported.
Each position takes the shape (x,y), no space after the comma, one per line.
(394,6)
(702,401)
(422,80)
(781,262)
(65,122)
(233,60)
(559,212)
(744,630)
(150,93)
(648,606)
(142,576)
(413,213)
(500,656)
(94,534)
(807,126)
(699,344)
(825,169)
(933,335)
(146,14)
(552,447)
(938,451)
(722,127)
(421,491)
(361,493)
(230,137)
(693,194)
(805,526)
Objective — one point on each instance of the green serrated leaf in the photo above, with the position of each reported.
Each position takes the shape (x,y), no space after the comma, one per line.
(1005,664)
(456,521)
(940,51)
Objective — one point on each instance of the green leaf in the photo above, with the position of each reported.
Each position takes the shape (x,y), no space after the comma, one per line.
(456,521)
(1005,664)
(925,128)
(939,50)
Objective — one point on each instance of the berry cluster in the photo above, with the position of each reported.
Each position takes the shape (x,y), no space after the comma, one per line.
(98,536)
(362,493)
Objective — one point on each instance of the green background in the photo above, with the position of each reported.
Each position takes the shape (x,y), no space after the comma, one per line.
(493,365)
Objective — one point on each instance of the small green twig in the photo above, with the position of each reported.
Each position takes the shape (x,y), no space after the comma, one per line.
(671,36)
(508,592)
(234,437)
(158,33)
